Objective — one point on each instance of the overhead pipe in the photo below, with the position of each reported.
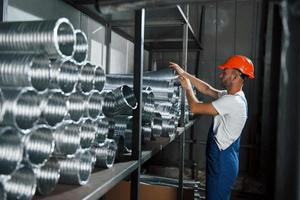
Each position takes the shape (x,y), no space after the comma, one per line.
(21,70)
(55,37)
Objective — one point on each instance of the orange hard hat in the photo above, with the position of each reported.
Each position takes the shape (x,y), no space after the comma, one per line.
(241,63)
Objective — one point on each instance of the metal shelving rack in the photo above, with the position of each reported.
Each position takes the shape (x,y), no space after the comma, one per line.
(148,29)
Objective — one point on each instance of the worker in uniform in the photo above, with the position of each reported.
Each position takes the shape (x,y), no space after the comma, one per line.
(230,113)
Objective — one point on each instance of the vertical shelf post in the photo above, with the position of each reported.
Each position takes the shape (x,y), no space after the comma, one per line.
(3,10)
(182,108)
(137,87)
(108,48)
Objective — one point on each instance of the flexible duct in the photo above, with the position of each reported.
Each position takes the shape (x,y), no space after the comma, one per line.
(21,108)
(2,192)
(147,105)
(81,48)
(39,145)
(11,150)
(67,138)
(125,101)
(109,104)
(102,129)
(54,108)
(87,132)
(25,71)
(91,77)
(93,104)
(156,125)
(47,176)
(75,105)
(55,37)
(21,184)
(105,153)
(76,170)
(146,132)
(64,75)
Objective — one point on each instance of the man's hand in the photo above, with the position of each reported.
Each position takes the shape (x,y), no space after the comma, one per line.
(185,83)
(177,68)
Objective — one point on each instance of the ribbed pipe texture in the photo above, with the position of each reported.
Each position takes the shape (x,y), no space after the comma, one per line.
(105,154)
(146,132)
(21,108)
(168,127)
(148,106)
(109,104)
(67,138)
(21,184)
(2,192)
(156,125)
(76,170)
(39,145)
(55,37)
(11,150)
(64,75)
(81,47)
(125,100)
(47,176)
(25,71)
(54,107)
(93,104)
(102,130)
(91,77)
(87,133)
(75,105)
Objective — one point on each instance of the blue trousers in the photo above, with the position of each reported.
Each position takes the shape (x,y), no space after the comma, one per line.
(221,168)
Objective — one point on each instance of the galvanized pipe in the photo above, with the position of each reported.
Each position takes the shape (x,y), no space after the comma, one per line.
(76,170)
(91,77)
(146,132)
(87,132)
(11,150)
(102,130)
(2,192)
(75,105)
(81,47)
(67,138)
(105,153)
(64,75)
(53,107)
(93,104)
(24,71)
(55,37)
(39,145)
(21,184)
(109,104)
(156,125)
(47,176)
(125,100)
(21,108)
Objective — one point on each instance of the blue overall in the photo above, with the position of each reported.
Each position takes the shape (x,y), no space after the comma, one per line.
(221,168)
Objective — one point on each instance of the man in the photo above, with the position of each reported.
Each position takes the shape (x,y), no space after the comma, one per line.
(230,114)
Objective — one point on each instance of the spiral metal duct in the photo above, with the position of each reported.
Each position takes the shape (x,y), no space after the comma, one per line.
(125,100)
(39,145)
(21,108)
(64,75)
(168,127)
(146,132)
(109,104)
(75,105)
(47,176)
(93,104)
(2,192)
(21,184)
(67,138)
(105,154)
(163,74)
(148,106)
(87,132)
(121,130)
(54,107)
(76,170)
(91,77)
(55,37)
(11,150)
(156,125)
(102,130)
(81,47)
(25,71)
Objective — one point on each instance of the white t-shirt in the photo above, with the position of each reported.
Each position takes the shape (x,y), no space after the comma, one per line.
(228,125)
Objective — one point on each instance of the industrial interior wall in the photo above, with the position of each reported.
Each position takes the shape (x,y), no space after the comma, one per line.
(228,27)
(121,49)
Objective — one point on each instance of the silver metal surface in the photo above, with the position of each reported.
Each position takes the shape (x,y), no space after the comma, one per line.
(156,125)
(21,184)
(21,108)
(109,104)
(93,104)
(125,100)
(75,105)
(105,153)
(76,170)
(64,75)
(81,47)
(146,132)
(67,138)
(47,176)
(54,108)
(87,132)
(25,71)
(2,192)
(39,145)
(11,150)
(55,37)
(102,130)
